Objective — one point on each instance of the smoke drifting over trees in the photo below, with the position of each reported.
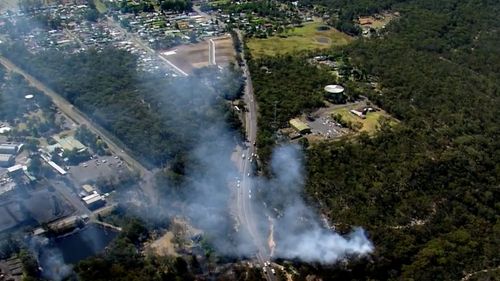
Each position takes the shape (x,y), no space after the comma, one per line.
(185,126)
(208,195)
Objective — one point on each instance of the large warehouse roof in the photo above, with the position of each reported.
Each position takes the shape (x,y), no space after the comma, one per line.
(69,143)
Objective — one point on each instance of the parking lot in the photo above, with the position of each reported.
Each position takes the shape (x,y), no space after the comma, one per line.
(326,127)
(97,167)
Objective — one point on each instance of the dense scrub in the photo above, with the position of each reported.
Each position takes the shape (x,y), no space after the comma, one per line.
(425,191)
(156,118)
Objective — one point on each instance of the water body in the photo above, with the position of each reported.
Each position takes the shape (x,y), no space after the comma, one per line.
(84,243)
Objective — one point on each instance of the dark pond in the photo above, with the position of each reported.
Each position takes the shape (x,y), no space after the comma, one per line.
(84,243)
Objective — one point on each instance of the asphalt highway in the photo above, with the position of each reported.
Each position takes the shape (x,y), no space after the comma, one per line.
(244,196)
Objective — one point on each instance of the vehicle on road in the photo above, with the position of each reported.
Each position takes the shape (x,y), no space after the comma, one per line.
(243,156)
(273,271)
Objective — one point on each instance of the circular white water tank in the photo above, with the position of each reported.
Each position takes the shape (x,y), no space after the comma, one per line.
(334,89)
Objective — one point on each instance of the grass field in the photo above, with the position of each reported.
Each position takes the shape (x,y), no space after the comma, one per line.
(307,37)
(100,6)
(370,124)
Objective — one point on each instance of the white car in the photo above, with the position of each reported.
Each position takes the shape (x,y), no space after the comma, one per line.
(273,271)
(249,196)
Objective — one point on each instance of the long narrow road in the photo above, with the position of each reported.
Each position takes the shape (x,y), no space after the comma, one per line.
(79,118)
(246,214)
(211,52)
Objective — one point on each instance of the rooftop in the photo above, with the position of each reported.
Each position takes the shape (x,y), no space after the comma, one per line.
(69,143)
(6,157)
(334,89)
(299,125)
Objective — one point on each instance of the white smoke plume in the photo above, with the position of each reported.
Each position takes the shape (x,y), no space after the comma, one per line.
(298,233)
(50,258)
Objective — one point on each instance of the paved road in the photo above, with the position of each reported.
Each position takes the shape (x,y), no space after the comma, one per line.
(244,196)
(139,42)
(246,215)
(79,118)
(211,52)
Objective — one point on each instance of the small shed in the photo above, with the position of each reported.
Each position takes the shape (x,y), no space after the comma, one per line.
(300,126)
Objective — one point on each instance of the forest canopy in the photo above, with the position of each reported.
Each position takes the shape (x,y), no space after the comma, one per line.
(425,189)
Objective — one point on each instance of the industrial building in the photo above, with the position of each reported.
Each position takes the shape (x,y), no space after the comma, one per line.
(67,143)
(6,160)
(94,201)
(16,170)
(300,126)
(8,153)
(7,187)
(88,188)
(6,148)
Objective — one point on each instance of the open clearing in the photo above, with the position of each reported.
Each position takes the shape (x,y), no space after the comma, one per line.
(307,37)
(164,245)
(370,124)
(192,56)
(378,21)
(100,6)
(224,50)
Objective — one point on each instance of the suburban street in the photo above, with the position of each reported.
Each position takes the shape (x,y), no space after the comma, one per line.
(79,118)
(143,45)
